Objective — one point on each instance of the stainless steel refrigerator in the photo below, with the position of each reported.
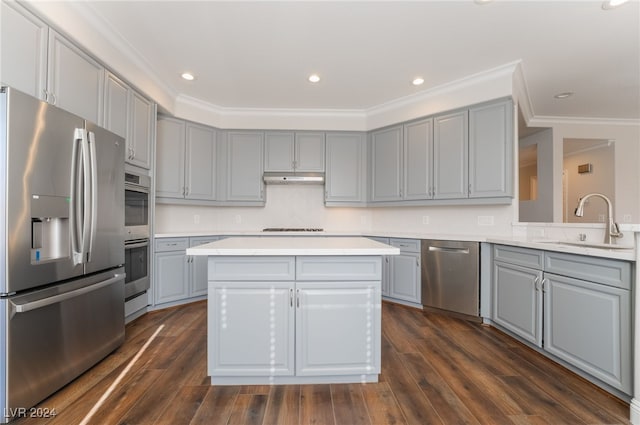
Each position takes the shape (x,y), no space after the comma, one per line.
(62,248)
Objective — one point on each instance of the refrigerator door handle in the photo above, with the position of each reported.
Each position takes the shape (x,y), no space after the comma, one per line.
(94,192)
(75,209)
(34,305)
(86,222)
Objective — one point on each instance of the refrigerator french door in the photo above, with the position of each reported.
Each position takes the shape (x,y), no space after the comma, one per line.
(61,252)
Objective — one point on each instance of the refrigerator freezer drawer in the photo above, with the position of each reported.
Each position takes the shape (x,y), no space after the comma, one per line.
(54,335)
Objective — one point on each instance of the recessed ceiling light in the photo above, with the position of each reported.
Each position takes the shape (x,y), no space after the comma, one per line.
(482,1)
(563,95)
(188,76)
(417,81)
(612,4)
(314,78)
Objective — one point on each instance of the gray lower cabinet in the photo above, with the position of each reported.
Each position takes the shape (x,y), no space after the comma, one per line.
(179,277)
(345,179)
(294,319)
(404,271)
(576,308)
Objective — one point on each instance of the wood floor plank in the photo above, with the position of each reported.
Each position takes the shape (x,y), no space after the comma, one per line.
(450,408)
(283,406)
(348,404)
(248,409)
(381,404)
(183,406)
(216,406)
(315,405)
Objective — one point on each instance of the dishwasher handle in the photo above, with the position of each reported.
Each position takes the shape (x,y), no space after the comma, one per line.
(449,249)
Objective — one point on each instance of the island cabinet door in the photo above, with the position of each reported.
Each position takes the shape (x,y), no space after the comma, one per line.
(251,329)
(337,328)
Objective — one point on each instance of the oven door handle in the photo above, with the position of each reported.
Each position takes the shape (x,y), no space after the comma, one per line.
(135,244)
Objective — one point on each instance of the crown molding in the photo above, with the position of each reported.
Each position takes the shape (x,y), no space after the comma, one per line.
(549,121)
(521,93)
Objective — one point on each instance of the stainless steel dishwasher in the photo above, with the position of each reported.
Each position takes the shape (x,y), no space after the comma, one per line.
(450,276)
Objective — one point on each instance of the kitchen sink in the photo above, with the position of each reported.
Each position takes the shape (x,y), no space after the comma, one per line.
(585,244)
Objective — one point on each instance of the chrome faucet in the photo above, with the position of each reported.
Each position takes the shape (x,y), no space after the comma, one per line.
(613,231)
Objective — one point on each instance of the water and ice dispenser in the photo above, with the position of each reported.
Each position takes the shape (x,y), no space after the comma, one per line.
(50,237)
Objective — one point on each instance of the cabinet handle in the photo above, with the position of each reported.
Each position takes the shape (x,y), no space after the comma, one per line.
(545,286)
(46,95)
(55,98)
(469,188)
(133,153)
(291,297)
(417,263)
(297,298)
(536,283)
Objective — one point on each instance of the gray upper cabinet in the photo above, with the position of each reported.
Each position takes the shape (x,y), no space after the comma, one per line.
(23,49)
(386,162)
(75,81)
(491,150)
(200,162)
(346,168)
(186,156)
(418,160)
(44,64)
(289,151)
(450,152)
(132,116)
(245,150)
(279,151)
(170,150)
(309,151)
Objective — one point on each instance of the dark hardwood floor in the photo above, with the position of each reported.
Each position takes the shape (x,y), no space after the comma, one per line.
(435,370)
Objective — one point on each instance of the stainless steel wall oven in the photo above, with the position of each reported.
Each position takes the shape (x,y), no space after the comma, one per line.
(136,206)
(136,246)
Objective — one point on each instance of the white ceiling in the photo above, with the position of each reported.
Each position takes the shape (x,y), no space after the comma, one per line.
(259,54)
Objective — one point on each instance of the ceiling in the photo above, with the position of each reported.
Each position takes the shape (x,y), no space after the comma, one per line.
(259,54)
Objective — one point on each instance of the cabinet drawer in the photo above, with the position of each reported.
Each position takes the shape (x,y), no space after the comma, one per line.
(521,256)
(408,245)
(339,268)
(201,240)
(172,244)
(252,268)
(378,239)
(593,269)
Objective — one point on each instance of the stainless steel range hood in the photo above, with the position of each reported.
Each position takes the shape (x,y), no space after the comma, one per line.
(274,177)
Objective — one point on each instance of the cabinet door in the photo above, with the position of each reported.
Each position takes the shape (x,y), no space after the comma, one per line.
(143,117)
(309,152)
(386,160)
(345,162)
(75,80)
(251,329)
(244,166)
(200,166)
(404,277)
(337,314)
(171,276)
(198,275)
(418,159)
(450,156)
(23,50)
(517,300)
(491,150)
(278,151)
(588,325)
(170,147)
(116,109)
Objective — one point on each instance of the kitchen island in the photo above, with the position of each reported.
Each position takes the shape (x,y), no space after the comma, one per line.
(293,310)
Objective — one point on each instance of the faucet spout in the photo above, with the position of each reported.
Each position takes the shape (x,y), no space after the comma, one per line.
(612,231)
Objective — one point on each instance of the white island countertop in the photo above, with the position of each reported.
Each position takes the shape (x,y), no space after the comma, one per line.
(283,245)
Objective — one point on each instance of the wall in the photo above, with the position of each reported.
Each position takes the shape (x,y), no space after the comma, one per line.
(600,180)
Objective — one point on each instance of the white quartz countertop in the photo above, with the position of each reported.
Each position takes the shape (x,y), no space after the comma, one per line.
(621,252)
(285,245)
